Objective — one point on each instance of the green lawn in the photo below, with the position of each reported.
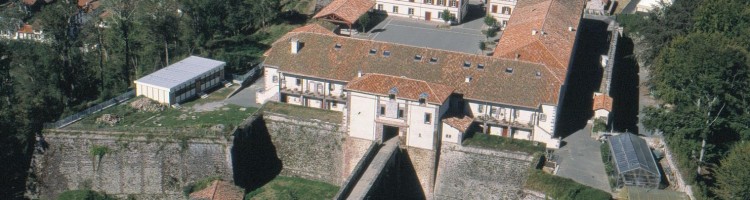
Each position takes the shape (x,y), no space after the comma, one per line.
(482,140)
(303,112)
(562,188)
(293,188)
(185,118)
(83,195)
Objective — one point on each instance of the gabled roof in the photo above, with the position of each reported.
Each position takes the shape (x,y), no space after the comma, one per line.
(310,28)
(460,122)
(26,28)
(319,58)
(405,88)
(631,152)
(602,101)
(553,42)
(347,11)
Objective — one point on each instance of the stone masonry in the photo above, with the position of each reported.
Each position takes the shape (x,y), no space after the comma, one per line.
(473,173)
(144,167)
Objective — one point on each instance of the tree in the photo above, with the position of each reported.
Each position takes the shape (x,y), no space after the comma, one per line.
(490,33)
(490,21)
(446,15)
(733,176)
(364,21)
(482,46)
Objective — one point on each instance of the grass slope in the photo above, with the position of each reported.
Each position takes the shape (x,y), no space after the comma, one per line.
(293,188)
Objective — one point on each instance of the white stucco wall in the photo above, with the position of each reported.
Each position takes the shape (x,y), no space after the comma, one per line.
(421,134)
(270,85)
(499,15)
(420,8)
(601,113)
(451,134)
(362,112)
(543,131)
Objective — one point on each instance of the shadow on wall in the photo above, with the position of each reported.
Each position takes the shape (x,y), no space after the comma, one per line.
(584,78)
(625,89)
(254,158)
(408,181)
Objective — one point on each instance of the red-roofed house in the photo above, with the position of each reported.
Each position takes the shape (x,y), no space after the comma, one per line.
(428,10)
(27,32)
(602,106)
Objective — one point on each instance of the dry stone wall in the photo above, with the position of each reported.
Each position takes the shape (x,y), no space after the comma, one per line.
(473,173)
(307,148)
(144,167)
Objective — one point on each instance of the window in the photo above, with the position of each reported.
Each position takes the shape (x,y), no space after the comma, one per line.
(448,136)
(480,66)
(418,58)
(392,96)
(467,64)
(440,2)
(411,11)
(515,114)
(509,70)
(373,51)
(395,9)
(275,79)
(331,87)
(493,111)
(454,3)
(380,6)
(382,110)
(428,118)
(400,113)
(506,10)
(494,8)
(386,53)
(428,1)
(334,104)
(480,109)
(433,60)
(299,82)
(543,117)
(337,46)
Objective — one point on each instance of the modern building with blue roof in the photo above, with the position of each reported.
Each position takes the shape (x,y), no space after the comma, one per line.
(633,161)
(181,80)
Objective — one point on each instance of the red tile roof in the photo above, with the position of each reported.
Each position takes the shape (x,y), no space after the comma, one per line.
(553,43)
(345,10)
(460,122)
(318,58)
(29,2)
(219,190)
(603,101)
(26,29)
(410,89)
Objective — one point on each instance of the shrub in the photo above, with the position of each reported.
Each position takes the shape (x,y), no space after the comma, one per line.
(83,195)
(562,188)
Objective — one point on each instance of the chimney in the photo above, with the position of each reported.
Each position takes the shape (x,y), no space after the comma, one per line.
(468,79)
(570,28)
(518,56)
(359,73)
(533,32)
(295,45)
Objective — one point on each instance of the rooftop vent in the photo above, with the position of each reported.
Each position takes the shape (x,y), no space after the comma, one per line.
(337,46)
(480,66)
(467,64)
(373,51)
(571,29)
(433,60)
(509,70)
(533,32)
(518,56)
(359,73)
(468,79)
(386,53)
(538,74)
(417,57)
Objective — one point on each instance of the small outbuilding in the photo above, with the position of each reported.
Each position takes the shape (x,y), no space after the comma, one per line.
(633,161)
(182,80)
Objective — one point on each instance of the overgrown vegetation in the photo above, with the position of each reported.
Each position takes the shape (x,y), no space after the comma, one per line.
(599,125)
(284,188)
(482,140)
(90,57)
(562,188)
(609,166)
(303,112)
(697,54)
(84,195)
(198,185)
(99,151)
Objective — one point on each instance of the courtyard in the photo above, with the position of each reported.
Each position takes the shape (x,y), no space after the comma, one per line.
(464,37)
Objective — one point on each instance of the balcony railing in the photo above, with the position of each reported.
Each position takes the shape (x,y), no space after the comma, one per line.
(313,94)
(503,122)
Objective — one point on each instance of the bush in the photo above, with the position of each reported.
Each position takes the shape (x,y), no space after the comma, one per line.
(99,151)
(599,125)
(608,166)
(198,185)
(83,195)
(562,188)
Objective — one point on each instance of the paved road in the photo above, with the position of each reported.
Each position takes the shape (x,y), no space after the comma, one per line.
(246,97)
(581,160)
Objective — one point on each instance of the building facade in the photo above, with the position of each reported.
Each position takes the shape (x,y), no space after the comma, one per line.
(501,10)
(428,10)
(181,81)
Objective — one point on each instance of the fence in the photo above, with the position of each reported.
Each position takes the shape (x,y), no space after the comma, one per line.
(101,106)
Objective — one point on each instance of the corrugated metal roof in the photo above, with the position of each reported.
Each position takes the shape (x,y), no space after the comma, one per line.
(631,152)
(181,72)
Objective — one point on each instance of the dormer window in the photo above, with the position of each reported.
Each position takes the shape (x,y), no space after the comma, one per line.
(423,98)
(337,46)
(386,53)
(392,93)
(480,66)
(509,70)
(433,60)
(418,58)
(467,64)
(373,51)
